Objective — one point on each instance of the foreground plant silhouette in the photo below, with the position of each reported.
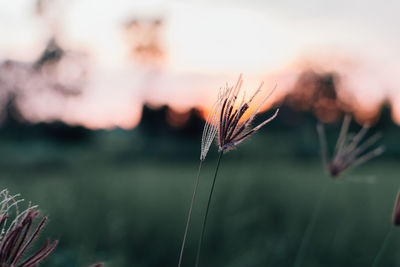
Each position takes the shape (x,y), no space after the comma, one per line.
(385,243)
(17,236)
(233,128)
(349,152)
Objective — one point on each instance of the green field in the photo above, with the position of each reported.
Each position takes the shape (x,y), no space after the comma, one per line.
(125,202)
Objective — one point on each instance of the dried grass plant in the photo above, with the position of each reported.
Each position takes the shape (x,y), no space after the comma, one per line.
(18,233)
(233,127)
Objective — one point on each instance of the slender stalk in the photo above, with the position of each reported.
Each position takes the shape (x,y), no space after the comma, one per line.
(190,214)
(310,228)
(382,250)
(208,208)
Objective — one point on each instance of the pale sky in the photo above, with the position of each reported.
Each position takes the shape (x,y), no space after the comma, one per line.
(207,43)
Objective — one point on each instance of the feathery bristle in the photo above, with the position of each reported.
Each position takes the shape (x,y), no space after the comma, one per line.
(210,128)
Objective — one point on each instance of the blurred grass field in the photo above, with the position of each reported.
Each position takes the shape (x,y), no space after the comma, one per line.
(110,201)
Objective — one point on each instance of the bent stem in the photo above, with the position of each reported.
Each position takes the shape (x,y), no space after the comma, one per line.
(382,250)
(190,214)
(310,227)
(206,215)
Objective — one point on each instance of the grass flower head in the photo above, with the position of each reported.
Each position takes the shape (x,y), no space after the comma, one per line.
(232,127)
(350,151)
(18,233)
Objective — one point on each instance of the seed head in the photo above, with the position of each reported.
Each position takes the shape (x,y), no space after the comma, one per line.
(349,150)
(18,235)
(231,129)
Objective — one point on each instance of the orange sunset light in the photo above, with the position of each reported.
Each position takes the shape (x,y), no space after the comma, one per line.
(167,52)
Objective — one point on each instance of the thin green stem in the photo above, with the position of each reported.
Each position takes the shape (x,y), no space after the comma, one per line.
(310,228)
(206,215)
(382,250)
(190,214)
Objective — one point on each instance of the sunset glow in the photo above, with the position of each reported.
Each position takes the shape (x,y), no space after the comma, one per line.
(201,46)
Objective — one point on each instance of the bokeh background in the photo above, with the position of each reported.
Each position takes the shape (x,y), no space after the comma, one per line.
(102,105)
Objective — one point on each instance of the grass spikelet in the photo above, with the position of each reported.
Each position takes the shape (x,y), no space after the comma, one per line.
(349,151)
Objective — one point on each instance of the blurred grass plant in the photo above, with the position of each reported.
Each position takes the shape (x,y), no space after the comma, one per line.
(349,152)
(17,236)
(395,222)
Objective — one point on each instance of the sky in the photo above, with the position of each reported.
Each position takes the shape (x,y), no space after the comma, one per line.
(204,44)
